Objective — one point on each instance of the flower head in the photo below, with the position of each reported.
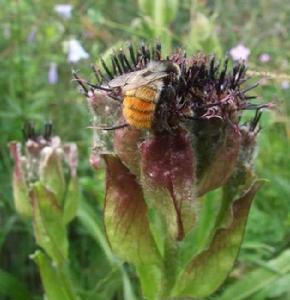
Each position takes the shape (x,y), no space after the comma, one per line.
(264,57)
(172,134)
(52,73)
(31,36)
(41,189)
(75,51)
(240,52)
(64,10)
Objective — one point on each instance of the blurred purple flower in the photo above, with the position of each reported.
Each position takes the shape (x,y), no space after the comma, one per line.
(264,58)
(285,84)
(52,73)
(63,10)
(240,52)
(75,51)
(31,36)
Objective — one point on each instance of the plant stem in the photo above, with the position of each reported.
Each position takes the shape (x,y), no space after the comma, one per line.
(67,285)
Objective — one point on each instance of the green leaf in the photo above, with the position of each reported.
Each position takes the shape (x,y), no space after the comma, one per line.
(162,11)
(147,7)
(171,10)
(210,268)
(7,228)
(259,279)
(279,288)
(92,224)
(49,228)
(12,287)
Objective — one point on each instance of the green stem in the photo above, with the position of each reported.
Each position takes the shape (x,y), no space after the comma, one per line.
(67,285)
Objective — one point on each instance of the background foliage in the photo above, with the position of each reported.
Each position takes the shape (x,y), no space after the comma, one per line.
(32,36)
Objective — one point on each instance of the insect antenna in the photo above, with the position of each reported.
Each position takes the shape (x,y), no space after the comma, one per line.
(98,87)
(110,128)
(95,86)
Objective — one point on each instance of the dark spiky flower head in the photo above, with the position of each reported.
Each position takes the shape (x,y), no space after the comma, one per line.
(175,134)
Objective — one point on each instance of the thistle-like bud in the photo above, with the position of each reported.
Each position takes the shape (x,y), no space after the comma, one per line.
(41,190)
(175,135)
